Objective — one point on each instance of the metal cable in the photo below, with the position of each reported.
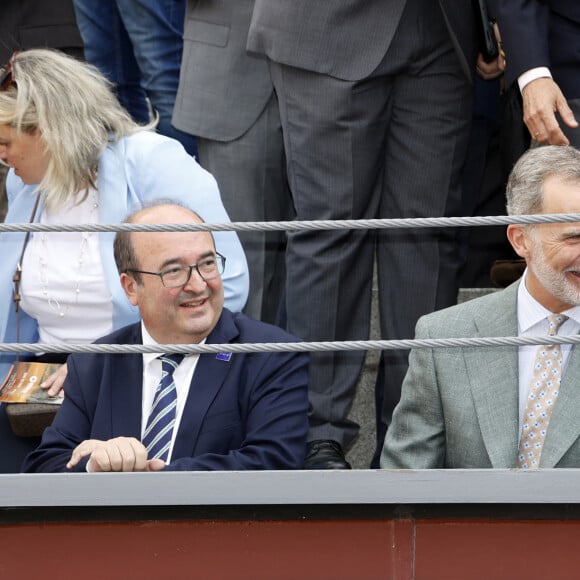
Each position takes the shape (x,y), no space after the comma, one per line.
(288,346)
(356,345)
(404,223)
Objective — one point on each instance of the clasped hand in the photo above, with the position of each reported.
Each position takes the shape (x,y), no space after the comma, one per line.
(119,454)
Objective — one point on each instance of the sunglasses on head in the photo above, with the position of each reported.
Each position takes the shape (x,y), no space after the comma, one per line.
(6,74)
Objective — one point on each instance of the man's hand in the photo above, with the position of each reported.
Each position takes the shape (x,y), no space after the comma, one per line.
(119,454)
(55,382)
(542,99)
(495,68)
(488,70)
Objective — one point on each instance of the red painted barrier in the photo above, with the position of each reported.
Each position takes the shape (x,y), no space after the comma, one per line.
(398,549)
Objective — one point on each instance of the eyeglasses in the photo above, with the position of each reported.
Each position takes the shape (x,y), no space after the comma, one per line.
(177,276)
(6,74)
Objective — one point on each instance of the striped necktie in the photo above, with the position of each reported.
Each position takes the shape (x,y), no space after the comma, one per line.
(159,430)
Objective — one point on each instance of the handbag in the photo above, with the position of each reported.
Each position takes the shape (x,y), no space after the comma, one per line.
(30,419)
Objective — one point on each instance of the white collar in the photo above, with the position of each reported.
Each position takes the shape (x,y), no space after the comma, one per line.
(148,340)
(531,312)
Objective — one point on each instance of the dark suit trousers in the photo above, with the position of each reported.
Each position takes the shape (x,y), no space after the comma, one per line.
(14,448)
(391,145)
(251,174)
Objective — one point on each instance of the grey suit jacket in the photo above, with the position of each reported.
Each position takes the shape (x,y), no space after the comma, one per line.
(459,407)
(346,39)
(222,89)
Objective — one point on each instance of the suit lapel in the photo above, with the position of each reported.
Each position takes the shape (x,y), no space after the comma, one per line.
(127,388)
(208,378)
(493,377)
(564,426)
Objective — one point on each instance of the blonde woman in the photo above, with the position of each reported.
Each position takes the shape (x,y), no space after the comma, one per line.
(71,146)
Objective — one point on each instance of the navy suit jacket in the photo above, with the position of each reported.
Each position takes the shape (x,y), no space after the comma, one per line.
(541,33)
(248,412)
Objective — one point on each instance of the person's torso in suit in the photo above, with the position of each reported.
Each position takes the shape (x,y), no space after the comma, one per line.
(459,407)
(222,88)
(242,411)
(28,24)
(346,39)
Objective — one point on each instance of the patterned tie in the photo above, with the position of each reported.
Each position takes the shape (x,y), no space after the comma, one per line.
(541,398)
(159,430)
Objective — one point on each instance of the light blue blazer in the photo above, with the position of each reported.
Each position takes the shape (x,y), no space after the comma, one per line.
(140,168)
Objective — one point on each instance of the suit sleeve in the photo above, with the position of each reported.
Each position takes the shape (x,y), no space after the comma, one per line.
(416,436)
(524,26)
(71,426)
(275,420)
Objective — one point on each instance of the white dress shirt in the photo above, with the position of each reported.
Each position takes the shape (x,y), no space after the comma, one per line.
(152,375)
(533,74)
(532,321)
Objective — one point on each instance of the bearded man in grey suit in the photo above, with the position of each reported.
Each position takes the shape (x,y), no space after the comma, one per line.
(226,98)
(375,100)
(468,407)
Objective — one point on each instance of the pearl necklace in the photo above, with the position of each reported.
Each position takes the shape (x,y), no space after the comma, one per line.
(56,305)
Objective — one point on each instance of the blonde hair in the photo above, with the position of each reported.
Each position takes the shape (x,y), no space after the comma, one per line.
(76,111)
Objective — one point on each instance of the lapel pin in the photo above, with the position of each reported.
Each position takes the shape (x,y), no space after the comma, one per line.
(225,356)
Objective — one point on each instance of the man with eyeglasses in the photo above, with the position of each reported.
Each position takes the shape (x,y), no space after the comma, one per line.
(224,411)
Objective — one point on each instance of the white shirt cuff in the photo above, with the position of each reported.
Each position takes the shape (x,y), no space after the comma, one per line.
(533,74)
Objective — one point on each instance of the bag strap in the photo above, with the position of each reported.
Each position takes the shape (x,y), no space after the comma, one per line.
(16,279)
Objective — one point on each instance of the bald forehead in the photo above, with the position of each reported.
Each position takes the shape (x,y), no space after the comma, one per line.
(146,242)
(165,214)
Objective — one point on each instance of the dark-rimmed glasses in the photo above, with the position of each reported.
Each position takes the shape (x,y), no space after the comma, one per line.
(177,276)
(6,74)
